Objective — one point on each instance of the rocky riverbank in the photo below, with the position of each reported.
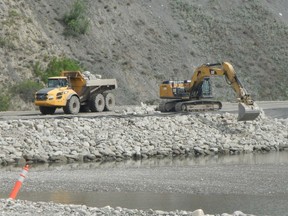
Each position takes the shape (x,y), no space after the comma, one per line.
(134,134)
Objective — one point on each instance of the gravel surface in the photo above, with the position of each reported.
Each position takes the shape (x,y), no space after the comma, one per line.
(18,207)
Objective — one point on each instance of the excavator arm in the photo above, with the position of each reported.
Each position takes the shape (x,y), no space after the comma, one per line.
(247,108)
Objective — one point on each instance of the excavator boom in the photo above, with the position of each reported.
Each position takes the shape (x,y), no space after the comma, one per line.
(192,95)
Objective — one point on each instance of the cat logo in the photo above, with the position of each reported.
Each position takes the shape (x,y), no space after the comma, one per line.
(212,72)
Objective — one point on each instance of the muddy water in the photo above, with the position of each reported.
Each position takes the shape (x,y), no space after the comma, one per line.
(272,203)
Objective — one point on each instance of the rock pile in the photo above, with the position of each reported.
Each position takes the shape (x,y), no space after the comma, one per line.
(133,135)
(18,207)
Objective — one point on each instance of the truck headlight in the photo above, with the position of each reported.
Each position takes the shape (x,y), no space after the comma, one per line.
(50,97)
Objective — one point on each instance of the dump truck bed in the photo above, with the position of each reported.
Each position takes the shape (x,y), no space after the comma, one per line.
(84,85)
(101,82)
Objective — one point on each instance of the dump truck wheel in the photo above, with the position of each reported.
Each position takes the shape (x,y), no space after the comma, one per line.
(109,101)
(47,110)
(84,108)
(97,103)
(72,106)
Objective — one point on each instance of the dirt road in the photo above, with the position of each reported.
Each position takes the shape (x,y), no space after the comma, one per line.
(277,109)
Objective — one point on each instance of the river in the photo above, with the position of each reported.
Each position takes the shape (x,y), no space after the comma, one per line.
(253,183)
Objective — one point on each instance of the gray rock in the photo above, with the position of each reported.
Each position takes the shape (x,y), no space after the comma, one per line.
(198,150)
(239,213)
(58,158)
(198,212)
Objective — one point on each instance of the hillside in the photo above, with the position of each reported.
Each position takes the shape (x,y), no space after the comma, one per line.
(143,42)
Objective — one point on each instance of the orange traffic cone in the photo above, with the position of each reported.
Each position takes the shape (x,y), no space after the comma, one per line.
(19,182)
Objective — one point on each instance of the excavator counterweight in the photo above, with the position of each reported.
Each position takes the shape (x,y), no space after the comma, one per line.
(195,94)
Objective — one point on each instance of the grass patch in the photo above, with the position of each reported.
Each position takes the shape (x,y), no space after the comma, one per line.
(54,67)
(76,20)
(6,43)
(26,89)
(4,102)
(13,13)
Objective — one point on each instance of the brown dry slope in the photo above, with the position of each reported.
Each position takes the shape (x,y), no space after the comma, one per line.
(142,42)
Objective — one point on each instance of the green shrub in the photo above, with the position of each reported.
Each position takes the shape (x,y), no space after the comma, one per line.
(13,13)
(6,43)
(76,20)
(26,89)
(4,102)
(38,71)
(54,68)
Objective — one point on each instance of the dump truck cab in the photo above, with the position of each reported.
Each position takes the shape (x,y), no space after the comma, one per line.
(56,95)
(57,82)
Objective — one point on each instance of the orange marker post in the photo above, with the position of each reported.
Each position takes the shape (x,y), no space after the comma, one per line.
(19,182)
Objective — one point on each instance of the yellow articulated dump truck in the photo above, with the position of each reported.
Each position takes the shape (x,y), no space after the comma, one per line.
(76,92)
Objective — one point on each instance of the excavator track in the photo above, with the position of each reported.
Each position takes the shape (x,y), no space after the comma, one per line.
(190,106)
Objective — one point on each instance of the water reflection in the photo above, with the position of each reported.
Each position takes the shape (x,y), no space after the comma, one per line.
(274,157)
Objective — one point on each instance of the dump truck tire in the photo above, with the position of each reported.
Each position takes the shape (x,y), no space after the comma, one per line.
(109,101)
(72,106)
(97,103)
(47,110)
(84,108)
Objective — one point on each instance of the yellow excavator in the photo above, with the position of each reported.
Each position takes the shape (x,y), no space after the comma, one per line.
(196,94)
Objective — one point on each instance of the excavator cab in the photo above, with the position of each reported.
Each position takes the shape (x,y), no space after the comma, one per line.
(203,90)
(207,88)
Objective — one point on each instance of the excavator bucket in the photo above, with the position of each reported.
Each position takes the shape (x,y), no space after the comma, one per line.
(248,112)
